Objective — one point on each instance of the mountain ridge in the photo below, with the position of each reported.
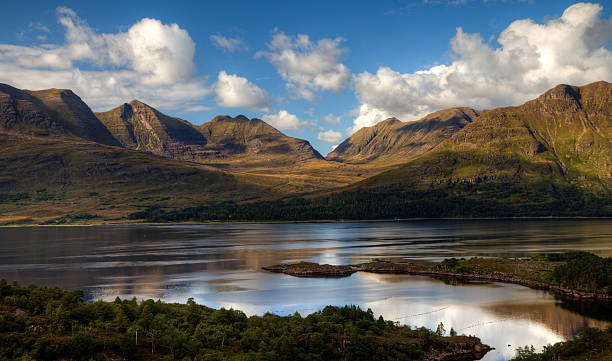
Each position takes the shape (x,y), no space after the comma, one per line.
(397,141)
(551,155)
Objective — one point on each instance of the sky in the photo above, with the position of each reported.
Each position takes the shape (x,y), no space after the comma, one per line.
(317,70)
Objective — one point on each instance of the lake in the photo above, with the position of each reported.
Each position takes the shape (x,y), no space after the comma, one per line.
(220,266)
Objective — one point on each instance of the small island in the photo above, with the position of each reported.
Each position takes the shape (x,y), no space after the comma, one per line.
(576,275)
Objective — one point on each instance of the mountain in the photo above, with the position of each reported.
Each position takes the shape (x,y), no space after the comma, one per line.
(224,141)
(551,155)
(57,112)
(43,178)
(396,141)
(254,141)
(140,127)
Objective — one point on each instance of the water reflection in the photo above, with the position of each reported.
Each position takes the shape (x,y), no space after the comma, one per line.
(220,266)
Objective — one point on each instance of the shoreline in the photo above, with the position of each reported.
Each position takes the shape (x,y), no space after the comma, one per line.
(193,223)
(314,270)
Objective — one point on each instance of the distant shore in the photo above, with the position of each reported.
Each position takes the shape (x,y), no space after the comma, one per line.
(102,222)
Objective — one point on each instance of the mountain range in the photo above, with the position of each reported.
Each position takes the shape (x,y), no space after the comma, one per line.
(549,156)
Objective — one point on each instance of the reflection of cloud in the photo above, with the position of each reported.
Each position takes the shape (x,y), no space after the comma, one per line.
(473,319)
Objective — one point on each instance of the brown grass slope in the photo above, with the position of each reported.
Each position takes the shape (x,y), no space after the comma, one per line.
(57,112)
(561,139)
(253,141)
(395,141)
(59,177)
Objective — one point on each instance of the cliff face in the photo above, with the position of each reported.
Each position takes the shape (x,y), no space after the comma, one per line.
(395,141)
(56,112)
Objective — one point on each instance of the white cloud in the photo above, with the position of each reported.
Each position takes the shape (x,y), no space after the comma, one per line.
(531,58)
(228,44)
(237,92)
(151,61)
(306,66)
(330,136)
(283,120)
(332,119)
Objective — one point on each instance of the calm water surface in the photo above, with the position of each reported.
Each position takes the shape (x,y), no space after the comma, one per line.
(220,266)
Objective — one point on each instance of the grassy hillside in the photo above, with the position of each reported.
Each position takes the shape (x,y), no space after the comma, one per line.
(43,179)
(397,142)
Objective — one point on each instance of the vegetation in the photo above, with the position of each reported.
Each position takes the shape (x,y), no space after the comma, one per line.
(573,271)
(581,271)
(459,200)
(45,323)
(72,218)
(592,344)
(585,272)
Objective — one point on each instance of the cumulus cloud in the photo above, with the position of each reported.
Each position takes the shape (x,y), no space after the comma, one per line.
(283,120)
(237,92)
(227,44)
(308,67)
(530,59)
(330,136)
(151,61)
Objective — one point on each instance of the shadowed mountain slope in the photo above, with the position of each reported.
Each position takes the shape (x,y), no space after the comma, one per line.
(43,178)
(55,112)
(395,141)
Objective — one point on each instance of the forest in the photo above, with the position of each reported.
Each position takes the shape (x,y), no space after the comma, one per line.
(45,323)
(492,200)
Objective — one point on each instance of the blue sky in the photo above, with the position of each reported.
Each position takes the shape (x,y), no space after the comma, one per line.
(317,70)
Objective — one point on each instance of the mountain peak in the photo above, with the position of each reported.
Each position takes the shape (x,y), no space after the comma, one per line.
(561,92)
(391,120)
(394,140)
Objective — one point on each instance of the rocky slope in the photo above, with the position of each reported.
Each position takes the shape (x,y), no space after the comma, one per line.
(139,126)
(222,141)
(396,141)
(56,112)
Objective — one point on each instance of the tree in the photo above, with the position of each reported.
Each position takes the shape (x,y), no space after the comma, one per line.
(440,330)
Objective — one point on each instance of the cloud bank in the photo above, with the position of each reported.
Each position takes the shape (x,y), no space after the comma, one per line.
(151,61)
(530,59)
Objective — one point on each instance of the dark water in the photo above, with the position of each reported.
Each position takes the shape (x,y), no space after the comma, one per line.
(220,266)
